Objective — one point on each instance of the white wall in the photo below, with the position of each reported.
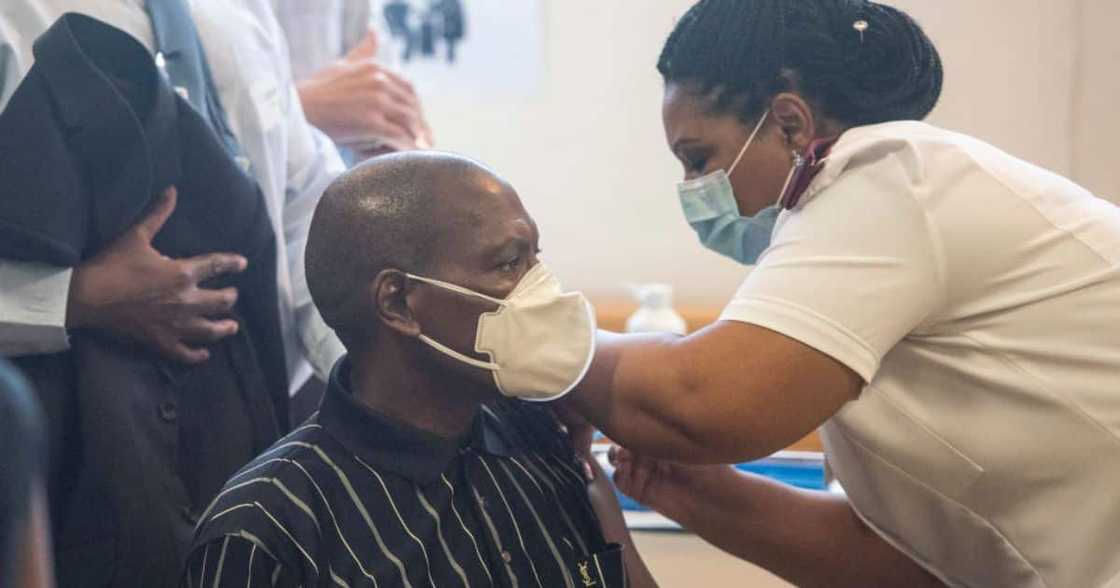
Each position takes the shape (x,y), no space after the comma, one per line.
(1096,147)
(587,154)
(1009,72)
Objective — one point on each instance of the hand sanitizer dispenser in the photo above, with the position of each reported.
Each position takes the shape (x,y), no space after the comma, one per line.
(656,314)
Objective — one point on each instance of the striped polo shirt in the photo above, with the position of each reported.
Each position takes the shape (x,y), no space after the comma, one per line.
(353,498)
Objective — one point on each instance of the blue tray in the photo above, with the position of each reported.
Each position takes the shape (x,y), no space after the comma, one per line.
(807,473)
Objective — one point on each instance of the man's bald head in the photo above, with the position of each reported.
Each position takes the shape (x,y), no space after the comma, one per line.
(387,213)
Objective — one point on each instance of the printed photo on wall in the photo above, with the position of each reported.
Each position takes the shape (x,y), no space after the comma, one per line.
(487,46)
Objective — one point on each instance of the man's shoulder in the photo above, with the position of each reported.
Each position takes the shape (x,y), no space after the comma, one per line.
(530,427)
(294,452)
(276,498)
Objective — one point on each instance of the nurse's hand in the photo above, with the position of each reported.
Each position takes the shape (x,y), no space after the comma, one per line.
(579,430)
(811,539)
(663,485)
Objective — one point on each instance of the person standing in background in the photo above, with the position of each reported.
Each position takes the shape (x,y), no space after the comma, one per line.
(346,82)
(349,92)
(290,159)
(142,296)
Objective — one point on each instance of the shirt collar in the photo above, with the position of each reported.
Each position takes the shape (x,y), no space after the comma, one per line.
(853,149)
(815,158)
(397,447)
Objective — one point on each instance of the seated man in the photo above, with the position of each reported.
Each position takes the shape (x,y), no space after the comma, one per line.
(416,471)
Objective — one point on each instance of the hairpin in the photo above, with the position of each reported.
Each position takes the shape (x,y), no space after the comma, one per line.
(861,26)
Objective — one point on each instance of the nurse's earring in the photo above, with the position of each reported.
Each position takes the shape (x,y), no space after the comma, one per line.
(794,170)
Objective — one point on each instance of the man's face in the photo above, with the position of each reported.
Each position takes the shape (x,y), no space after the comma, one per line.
(486,242)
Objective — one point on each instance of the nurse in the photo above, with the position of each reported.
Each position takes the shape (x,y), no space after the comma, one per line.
(948,315)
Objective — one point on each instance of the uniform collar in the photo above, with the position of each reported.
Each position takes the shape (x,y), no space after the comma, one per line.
(391,445)
(130,153)
(854,148)
(815,158)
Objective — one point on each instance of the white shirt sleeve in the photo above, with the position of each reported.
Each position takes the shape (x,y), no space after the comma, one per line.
(33,297)
(313,163)
(357,18)
(850,274)
(10,73)
(33,302)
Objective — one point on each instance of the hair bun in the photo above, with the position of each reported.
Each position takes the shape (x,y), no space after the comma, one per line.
(887,70)
(895,71)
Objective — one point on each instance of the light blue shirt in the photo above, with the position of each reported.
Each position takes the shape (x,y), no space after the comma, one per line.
(291,160)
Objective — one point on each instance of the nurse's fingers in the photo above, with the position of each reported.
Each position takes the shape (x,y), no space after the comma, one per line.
(634,475)
(619,458)
(643,471)
(613,455)
(622,460)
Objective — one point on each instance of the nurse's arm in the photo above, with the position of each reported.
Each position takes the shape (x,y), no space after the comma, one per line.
(808,538)
(732,392)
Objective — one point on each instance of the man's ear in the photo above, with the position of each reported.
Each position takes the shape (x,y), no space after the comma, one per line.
(795,118)
(390,291)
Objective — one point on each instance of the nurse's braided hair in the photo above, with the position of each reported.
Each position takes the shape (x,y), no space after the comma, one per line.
(749,50)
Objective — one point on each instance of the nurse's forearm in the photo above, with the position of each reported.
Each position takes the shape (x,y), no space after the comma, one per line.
(808,538)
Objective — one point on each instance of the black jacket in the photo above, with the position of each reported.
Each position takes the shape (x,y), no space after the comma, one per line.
(138,445)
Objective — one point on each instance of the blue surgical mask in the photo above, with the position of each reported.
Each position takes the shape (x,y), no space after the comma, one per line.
(710,207)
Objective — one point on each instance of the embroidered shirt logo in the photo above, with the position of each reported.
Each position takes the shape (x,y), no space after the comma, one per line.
(585,575)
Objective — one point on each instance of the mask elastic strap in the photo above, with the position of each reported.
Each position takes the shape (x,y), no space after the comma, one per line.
(478,363)
(743,151)
(457,289)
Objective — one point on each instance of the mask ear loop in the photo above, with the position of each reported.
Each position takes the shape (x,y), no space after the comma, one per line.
(478,363)
(457,289)
(743,151)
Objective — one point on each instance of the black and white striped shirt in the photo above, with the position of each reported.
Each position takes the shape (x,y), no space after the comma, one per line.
(354,499)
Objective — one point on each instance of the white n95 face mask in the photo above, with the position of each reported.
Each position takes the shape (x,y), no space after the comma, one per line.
(540,340)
